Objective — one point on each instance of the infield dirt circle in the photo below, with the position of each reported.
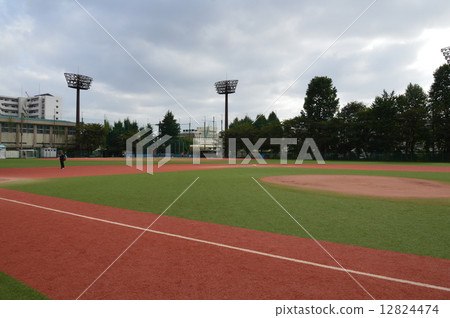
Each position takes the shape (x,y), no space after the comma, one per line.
(392,187)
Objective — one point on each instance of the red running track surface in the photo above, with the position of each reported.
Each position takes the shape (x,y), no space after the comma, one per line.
(61,255)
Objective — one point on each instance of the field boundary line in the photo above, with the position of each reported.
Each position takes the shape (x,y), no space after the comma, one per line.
(139,236)
(290,259)
(314,239)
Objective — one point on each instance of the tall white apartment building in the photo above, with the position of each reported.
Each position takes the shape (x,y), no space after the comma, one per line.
(44,106)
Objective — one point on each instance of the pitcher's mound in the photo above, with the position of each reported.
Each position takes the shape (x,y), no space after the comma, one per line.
(392,187)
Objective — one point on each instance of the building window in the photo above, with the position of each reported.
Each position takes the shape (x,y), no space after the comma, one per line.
(27,128)
(8,127)
(59,130)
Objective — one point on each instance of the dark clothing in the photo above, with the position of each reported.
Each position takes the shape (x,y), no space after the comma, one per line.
(62,158)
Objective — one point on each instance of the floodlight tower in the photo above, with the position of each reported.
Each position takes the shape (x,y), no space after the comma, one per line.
(226,87)
(79,82)
(446,52)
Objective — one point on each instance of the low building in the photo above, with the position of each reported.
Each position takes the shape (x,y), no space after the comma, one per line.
(36,133)
(187,133)
(206,140)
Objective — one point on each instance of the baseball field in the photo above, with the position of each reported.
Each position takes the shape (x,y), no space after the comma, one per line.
(100,229)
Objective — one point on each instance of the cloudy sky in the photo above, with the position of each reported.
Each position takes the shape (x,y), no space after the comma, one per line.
(147,57)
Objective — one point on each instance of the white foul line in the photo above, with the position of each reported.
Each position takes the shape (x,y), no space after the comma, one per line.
(245,250)
(315,240)
(132,243)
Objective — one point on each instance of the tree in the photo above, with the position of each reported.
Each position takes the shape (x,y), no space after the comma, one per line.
(296,127)
(384,123)
(130,128)
(321,102)
(118,133)
(364,124)
(260,121)
(106,128)
(320,107)
(169,126)
(254,130)
(349,113)
(238,121)
(240,129)
(272,129)
(353,134)
(412,115)
(273,118)
(439,110)
(90,136)
(114,140)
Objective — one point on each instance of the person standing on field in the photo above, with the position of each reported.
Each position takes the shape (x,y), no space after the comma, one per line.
(62,158)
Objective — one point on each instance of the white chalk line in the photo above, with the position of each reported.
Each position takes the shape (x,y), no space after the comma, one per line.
(315,240)
(294,260)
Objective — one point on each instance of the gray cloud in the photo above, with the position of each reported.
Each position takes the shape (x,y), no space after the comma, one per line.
(188,45)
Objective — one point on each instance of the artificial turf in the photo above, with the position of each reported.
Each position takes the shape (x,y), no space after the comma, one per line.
(12,289)
(232,197)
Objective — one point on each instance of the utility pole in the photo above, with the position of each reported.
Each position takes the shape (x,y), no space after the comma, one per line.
(189,134)
(204,134)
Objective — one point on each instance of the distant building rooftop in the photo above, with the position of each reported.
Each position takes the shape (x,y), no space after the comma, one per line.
(38,119)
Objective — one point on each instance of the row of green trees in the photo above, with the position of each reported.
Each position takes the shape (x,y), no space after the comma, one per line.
(110,139)
(407,124)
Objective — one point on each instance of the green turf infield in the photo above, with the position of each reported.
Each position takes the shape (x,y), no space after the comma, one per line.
(232,197)
(12,289)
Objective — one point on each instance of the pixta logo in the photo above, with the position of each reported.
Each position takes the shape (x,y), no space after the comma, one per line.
(150,144)
(147,145)
(308,145)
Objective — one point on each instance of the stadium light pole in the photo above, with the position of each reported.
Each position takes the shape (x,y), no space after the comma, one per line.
(225,88)
(446,52)
(80,82)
